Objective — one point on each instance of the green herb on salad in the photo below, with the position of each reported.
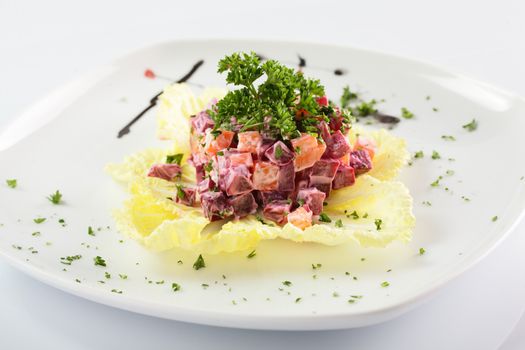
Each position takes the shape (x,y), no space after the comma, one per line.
(347,96)
(324,218)
(252,254)
(405,113)
(378,223)
(419,154)
(55,198)
(385,284)
(436,155)
(473,125)
(448,137)
(174,158)
(199,263)
(99,261)
(11,183)
(91,232)
(39,220)
(422,251)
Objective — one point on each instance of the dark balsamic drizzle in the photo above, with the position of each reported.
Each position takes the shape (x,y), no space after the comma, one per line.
(339,71)
(302,62)
(153,101)
(260,57)
(386,119)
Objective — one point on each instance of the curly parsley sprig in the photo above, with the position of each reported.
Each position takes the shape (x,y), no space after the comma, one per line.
(270,97)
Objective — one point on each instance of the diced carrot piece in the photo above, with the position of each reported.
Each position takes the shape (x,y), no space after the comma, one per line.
(248,141)
(222,141)
(265,176)
(345,159)
(300,217)
(241,159)
(366,144)
(307,151)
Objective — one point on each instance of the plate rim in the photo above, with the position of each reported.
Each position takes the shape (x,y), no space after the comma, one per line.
(240,320)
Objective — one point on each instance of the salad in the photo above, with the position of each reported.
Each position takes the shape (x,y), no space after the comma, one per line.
(272,158)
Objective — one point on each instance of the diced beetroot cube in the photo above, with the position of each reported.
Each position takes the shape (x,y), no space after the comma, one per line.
(277,211)
(165,171)
(216,206)
(237,181)
(322,175)
(206,185)
(325,168)
(336,145)
(313,198)
(336,120)
(345,176)
(185,195)
(265,176)
(279,153)
(243,205)
(286,177)
(325,187)
(263,146)
(302,180)
(201,122)
(361,162)
(267,197)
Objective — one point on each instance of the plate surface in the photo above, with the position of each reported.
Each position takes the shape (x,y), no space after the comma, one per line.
(64,142)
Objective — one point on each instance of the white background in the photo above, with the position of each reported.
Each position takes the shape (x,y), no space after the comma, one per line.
(44,44)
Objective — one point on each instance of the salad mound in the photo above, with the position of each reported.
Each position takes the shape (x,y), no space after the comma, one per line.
(269,159)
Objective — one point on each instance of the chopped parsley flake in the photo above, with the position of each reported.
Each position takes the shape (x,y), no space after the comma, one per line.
(199,263)
(205,285)
(419,154)
(422,251)
(174,158)
(450,172)
(405,113)
(287,283)
(298,300)
(347,96)
(435,155)
(473,125)
(354,215)
(366,108)
(466,199)
(427,203)
(494,218)
(175,287)
(11,183)
(351,301)
(252,254)
(378,223)
(55,198)
(99,261)
(69,259)
(91,232)
(385,284)
(335,295)
(116,291)
(278,152)
(436,182)
(62,222)
(435,109)
(34,234)
(159,282)
(316,266)
(338,223)
(324,218)
(122,276)
(448,138)
(107,275)
(39,220)
(356,296)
